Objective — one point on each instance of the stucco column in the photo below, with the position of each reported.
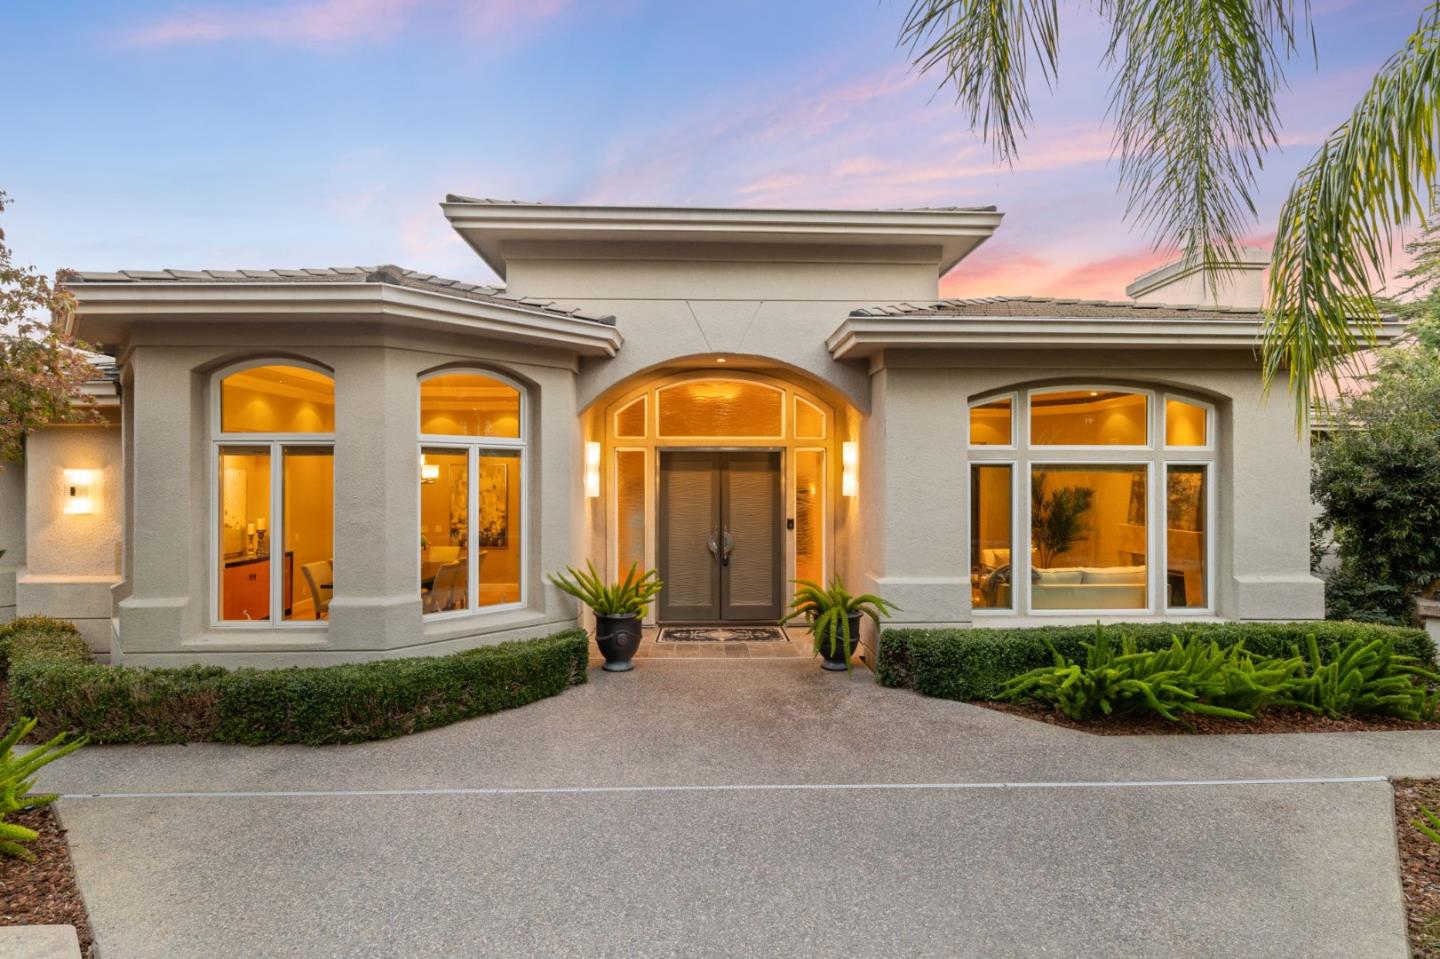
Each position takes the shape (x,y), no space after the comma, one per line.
(168,580)
(912,496)
(1267,510)
(376,603)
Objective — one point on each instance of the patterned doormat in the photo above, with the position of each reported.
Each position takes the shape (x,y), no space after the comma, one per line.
(721,634)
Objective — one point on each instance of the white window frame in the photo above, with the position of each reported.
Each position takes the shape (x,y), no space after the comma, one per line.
(1010,447)
(1156,457)
(476,447)
(275,443)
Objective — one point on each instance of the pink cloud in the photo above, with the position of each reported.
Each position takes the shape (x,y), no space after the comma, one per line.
(330,22)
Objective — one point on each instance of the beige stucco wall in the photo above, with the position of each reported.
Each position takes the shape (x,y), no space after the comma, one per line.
(376,609)
(915,543)
(12,533)
(72,561)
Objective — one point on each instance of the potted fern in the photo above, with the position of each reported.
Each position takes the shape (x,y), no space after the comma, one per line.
(618,608)
(833,617)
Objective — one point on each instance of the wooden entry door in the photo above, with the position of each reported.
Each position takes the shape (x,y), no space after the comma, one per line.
(721,529)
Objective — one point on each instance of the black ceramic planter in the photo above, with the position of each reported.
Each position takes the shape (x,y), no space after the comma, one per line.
(837,662)
(618,638)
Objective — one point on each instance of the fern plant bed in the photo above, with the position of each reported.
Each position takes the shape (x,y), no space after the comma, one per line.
(1419,865)
(1270,721)
(43,892)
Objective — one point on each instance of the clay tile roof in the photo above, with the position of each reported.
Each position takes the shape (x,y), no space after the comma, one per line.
(387,274)
(1060,308)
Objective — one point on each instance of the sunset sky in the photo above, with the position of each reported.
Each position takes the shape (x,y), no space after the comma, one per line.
(290,133)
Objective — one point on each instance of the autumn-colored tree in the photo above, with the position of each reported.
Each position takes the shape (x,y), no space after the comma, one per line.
(42,369)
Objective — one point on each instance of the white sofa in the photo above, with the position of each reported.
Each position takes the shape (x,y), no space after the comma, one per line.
(1087,587)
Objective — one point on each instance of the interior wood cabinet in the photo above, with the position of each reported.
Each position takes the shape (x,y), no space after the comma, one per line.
(245,587)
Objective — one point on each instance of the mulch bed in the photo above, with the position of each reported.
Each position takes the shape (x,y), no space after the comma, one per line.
(43,891)
(1419,865)
(1270,721)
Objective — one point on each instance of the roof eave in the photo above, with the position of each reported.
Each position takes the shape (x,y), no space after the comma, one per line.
(117,303)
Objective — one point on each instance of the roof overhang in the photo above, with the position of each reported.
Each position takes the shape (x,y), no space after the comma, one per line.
(105,309)
(862,337)
(488,225)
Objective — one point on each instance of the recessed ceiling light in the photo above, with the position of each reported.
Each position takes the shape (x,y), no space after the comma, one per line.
(719,359)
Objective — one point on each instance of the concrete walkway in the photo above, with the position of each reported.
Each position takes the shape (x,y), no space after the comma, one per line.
(746,808)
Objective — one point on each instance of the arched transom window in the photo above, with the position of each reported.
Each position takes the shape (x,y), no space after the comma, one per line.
(273,430)
(1108,491)
(472,492)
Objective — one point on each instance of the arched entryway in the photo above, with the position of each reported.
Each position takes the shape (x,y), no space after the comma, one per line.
(724,481)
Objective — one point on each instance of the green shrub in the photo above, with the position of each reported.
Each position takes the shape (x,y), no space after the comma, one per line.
(17,778)
(41,637)
(312,705)
(966,664)
(1367,678)
(1192,677)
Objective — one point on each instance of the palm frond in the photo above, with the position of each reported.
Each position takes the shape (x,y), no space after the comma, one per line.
(984,49)
(1337,228)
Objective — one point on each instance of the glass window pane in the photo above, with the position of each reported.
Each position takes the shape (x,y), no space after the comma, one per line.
(630,420)
(244,553)
(469,404)
(721,408)
(809,420)
(1185,499)
(990,423)
(277,399)
(629,509)
(991,520)
(1184,424)
(308,579)
(1087,418)
(444,529)
(1088,542)
(810,515)
(497,533)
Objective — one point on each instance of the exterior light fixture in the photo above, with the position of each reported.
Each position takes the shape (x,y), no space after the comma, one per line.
(429,472)
(849,468)
(592,469)
(82,488)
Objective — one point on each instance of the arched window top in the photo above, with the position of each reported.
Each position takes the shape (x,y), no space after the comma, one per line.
(1089,417)
(1083,417)
(469,403)
(721,407)
(277,397)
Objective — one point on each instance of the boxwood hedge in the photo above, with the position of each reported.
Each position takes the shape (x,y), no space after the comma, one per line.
(51,678)
(967,664)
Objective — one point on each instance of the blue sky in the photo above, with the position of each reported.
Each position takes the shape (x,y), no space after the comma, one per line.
(160,133)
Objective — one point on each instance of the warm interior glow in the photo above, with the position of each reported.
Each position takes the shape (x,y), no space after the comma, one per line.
(849,468)
(1184,424)
(81,490)
(592,469)
(717,408)
(990,423)
(991,573)
(1087,418)
(1088,537)
(277,399)
(469,404)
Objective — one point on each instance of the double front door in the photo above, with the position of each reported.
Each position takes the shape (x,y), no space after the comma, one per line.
(721,529)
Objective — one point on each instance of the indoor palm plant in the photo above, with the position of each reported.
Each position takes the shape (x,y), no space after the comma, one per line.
(833,617)
(618,608)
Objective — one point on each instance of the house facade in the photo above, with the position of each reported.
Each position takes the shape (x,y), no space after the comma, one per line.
(313,466)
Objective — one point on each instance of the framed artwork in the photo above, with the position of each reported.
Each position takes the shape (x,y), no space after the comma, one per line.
(1185,493)
(494,526)
(459,505)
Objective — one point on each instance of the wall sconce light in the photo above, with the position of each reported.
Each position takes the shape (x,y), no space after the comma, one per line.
(429,472)
(82,488)
(849,468)
(592,469)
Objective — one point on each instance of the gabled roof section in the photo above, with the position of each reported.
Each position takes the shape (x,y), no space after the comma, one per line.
(488,224)
(109,300)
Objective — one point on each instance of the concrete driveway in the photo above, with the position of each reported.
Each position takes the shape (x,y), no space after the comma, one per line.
(746,808)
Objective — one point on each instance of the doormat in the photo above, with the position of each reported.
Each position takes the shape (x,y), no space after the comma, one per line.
(721,634)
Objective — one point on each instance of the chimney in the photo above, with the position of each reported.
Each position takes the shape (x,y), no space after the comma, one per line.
(1183,282)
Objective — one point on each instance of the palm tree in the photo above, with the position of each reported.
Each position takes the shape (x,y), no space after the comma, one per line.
(1194,105)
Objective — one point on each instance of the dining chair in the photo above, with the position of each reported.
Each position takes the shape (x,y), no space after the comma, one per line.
(320,577)
(444,554)
(448,591)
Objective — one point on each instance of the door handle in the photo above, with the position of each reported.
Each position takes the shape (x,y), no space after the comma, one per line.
(728,545)
(713,543)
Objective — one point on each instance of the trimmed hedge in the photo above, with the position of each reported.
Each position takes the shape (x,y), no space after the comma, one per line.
(40,637)
(310,705)
(967,664)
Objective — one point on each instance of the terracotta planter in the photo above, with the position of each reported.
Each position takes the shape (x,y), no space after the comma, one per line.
(837,662)
(618,638)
